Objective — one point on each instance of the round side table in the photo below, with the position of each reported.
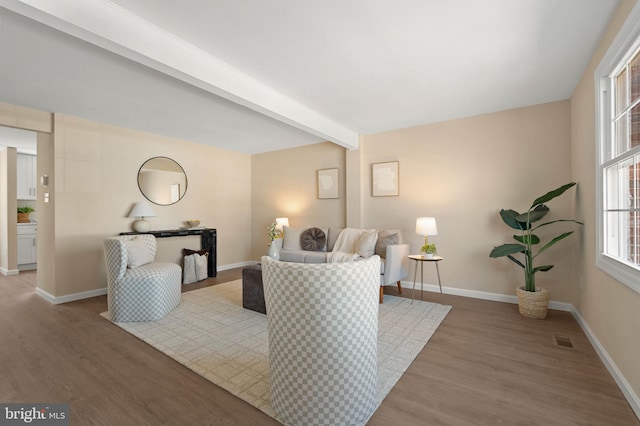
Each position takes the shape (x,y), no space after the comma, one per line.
(421,259)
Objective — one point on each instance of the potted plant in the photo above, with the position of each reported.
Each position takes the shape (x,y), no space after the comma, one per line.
(532,301)
(429,250)
(23,214)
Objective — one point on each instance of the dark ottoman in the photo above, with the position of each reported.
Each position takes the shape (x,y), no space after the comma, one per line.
(252,291)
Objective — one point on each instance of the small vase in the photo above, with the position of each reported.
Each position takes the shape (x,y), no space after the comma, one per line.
(273,251)
(428,255)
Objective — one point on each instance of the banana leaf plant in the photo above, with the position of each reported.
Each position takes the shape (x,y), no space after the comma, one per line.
(527,241)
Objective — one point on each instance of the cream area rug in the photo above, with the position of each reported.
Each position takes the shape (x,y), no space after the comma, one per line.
(212,334)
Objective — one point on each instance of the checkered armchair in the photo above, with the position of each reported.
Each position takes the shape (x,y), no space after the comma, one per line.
(146,293)
(323,331)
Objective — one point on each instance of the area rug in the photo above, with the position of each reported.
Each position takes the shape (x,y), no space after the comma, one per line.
(212,334)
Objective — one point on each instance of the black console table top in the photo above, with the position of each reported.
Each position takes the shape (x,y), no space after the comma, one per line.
(208,240)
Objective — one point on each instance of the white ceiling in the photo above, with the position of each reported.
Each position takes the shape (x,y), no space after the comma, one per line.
(256,76)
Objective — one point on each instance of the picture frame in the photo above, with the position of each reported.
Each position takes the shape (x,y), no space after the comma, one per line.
(328,187)
(385,179)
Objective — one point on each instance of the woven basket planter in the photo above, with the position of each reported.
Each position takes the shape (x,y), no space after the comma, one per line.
(533,304)
(23,218)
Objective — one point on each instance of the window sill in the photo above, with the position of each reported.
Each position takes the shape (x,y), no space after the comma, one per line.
(622,272)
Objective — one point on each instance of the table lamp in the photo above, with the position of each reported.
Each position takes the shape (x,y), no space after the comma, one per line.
(426,226)
(142,210)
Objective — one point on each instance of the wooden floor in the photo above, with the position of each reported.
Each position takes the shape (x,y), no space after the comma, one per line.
(485,365)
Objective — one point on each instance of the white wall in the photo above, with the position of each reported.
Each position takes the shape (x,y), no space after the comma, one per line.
(609,308)
(284,183)
(96,167)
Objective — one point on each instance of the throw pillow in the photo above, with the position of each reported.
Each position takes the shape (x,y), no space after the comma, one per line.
(195,268)
(202,263)
(187,252)
(384,232)
(292,238)
(365,246)
(313,239)
(383,242)
(333,236)
(138,253)
(189,269)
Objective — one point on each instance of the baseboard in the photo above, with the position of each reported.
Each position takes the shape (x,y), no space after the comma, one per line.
(627,391)
(237,265)
(28,267)
(484,295)
(69,297)
(102,291)
(7,272)
(629,394)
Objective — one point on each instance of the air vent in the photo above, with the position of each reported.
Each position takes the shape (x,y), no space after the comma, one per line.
(563,341)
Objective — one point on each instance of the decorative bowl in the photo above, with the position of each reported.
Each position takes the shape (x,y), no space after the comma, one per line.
(193,223)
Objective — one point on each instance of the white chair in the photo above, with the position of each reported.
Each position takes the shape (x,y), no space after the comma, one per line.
(144,293)
(323,331)
(395,267)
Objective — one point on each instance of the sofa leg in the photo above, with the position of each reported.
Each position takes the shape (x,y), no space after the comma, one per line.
(399,288)
(381,294)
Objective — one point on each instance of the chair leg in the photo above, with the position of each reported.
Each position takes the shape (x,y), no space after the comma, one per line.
(381,294)
(399,288)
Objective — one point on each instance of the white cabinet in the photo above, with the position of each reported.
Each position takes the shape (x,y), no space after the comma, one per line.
(27,245)
(27,171)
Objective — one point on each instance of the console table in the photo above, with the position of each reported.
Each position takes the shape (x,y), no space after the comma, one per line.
(208,240)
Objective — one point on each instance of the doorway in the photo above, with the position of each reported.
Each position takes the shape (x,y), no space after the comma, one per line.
(19,248)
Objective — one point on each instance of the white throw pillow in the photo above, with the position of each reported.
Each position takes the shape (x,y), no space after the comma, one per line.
(292,238)
(195,268)
(201,261)
(189,270)
(333,236)
(365,246)
(138,253)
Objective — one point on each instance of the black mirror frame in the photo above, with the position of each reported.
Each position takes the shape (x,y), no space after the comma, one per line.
(186,181)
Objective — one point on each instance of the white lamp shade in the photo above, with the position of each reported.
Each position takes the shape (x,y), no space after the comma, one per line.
(142,209)
(426,226)
(281,221)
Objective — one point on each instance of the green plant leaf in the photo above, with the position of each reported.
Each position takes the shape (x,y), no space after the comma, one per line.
(507,249)
(552,194)
(509,217)
(544,268)
(555,240)
(534,215)
(525,238)
(559,220)
(516,261)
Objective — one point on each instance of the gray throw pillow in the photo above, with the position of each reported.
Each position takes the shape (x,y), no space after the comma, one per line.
(313,239)
(383,242)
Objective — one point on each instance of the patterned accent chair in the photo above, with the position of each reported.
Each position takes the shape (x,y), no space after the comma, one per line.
(323,339)
(146,293)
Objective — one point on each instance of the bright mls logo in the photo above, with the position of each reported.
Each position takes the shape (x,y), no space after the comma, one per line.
(34,414)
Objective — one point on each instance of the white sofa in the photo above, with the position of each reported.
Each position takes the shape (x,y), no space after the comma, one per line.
(323,336)
(387,244)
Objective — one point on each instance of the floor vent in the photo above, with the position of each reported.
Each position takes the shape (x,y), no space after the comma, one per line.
(563,341)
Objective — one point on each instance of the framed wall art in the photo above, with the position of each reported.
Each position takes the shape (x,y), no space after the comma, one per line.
(328,183)
(384,179)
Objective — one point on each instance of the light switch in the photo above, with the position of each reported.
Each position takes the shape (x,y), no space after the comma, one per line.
(46,197)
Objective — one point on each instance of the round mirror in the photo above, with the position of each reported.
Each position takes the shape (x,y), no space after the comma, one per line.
(162,181)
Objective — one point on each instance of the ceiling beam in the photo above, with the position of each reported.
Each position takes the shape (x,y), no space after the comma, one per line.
(109,26)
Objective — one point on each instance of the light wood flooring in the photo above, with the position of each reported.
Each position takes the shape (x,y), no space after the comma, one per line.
(485,365)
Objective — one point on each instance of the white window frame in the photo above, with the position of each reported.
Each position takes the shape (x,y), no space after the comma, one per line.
(626,42)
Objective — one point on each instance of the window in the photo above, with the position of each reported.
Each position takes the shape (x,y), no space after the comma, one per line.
(618,155)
